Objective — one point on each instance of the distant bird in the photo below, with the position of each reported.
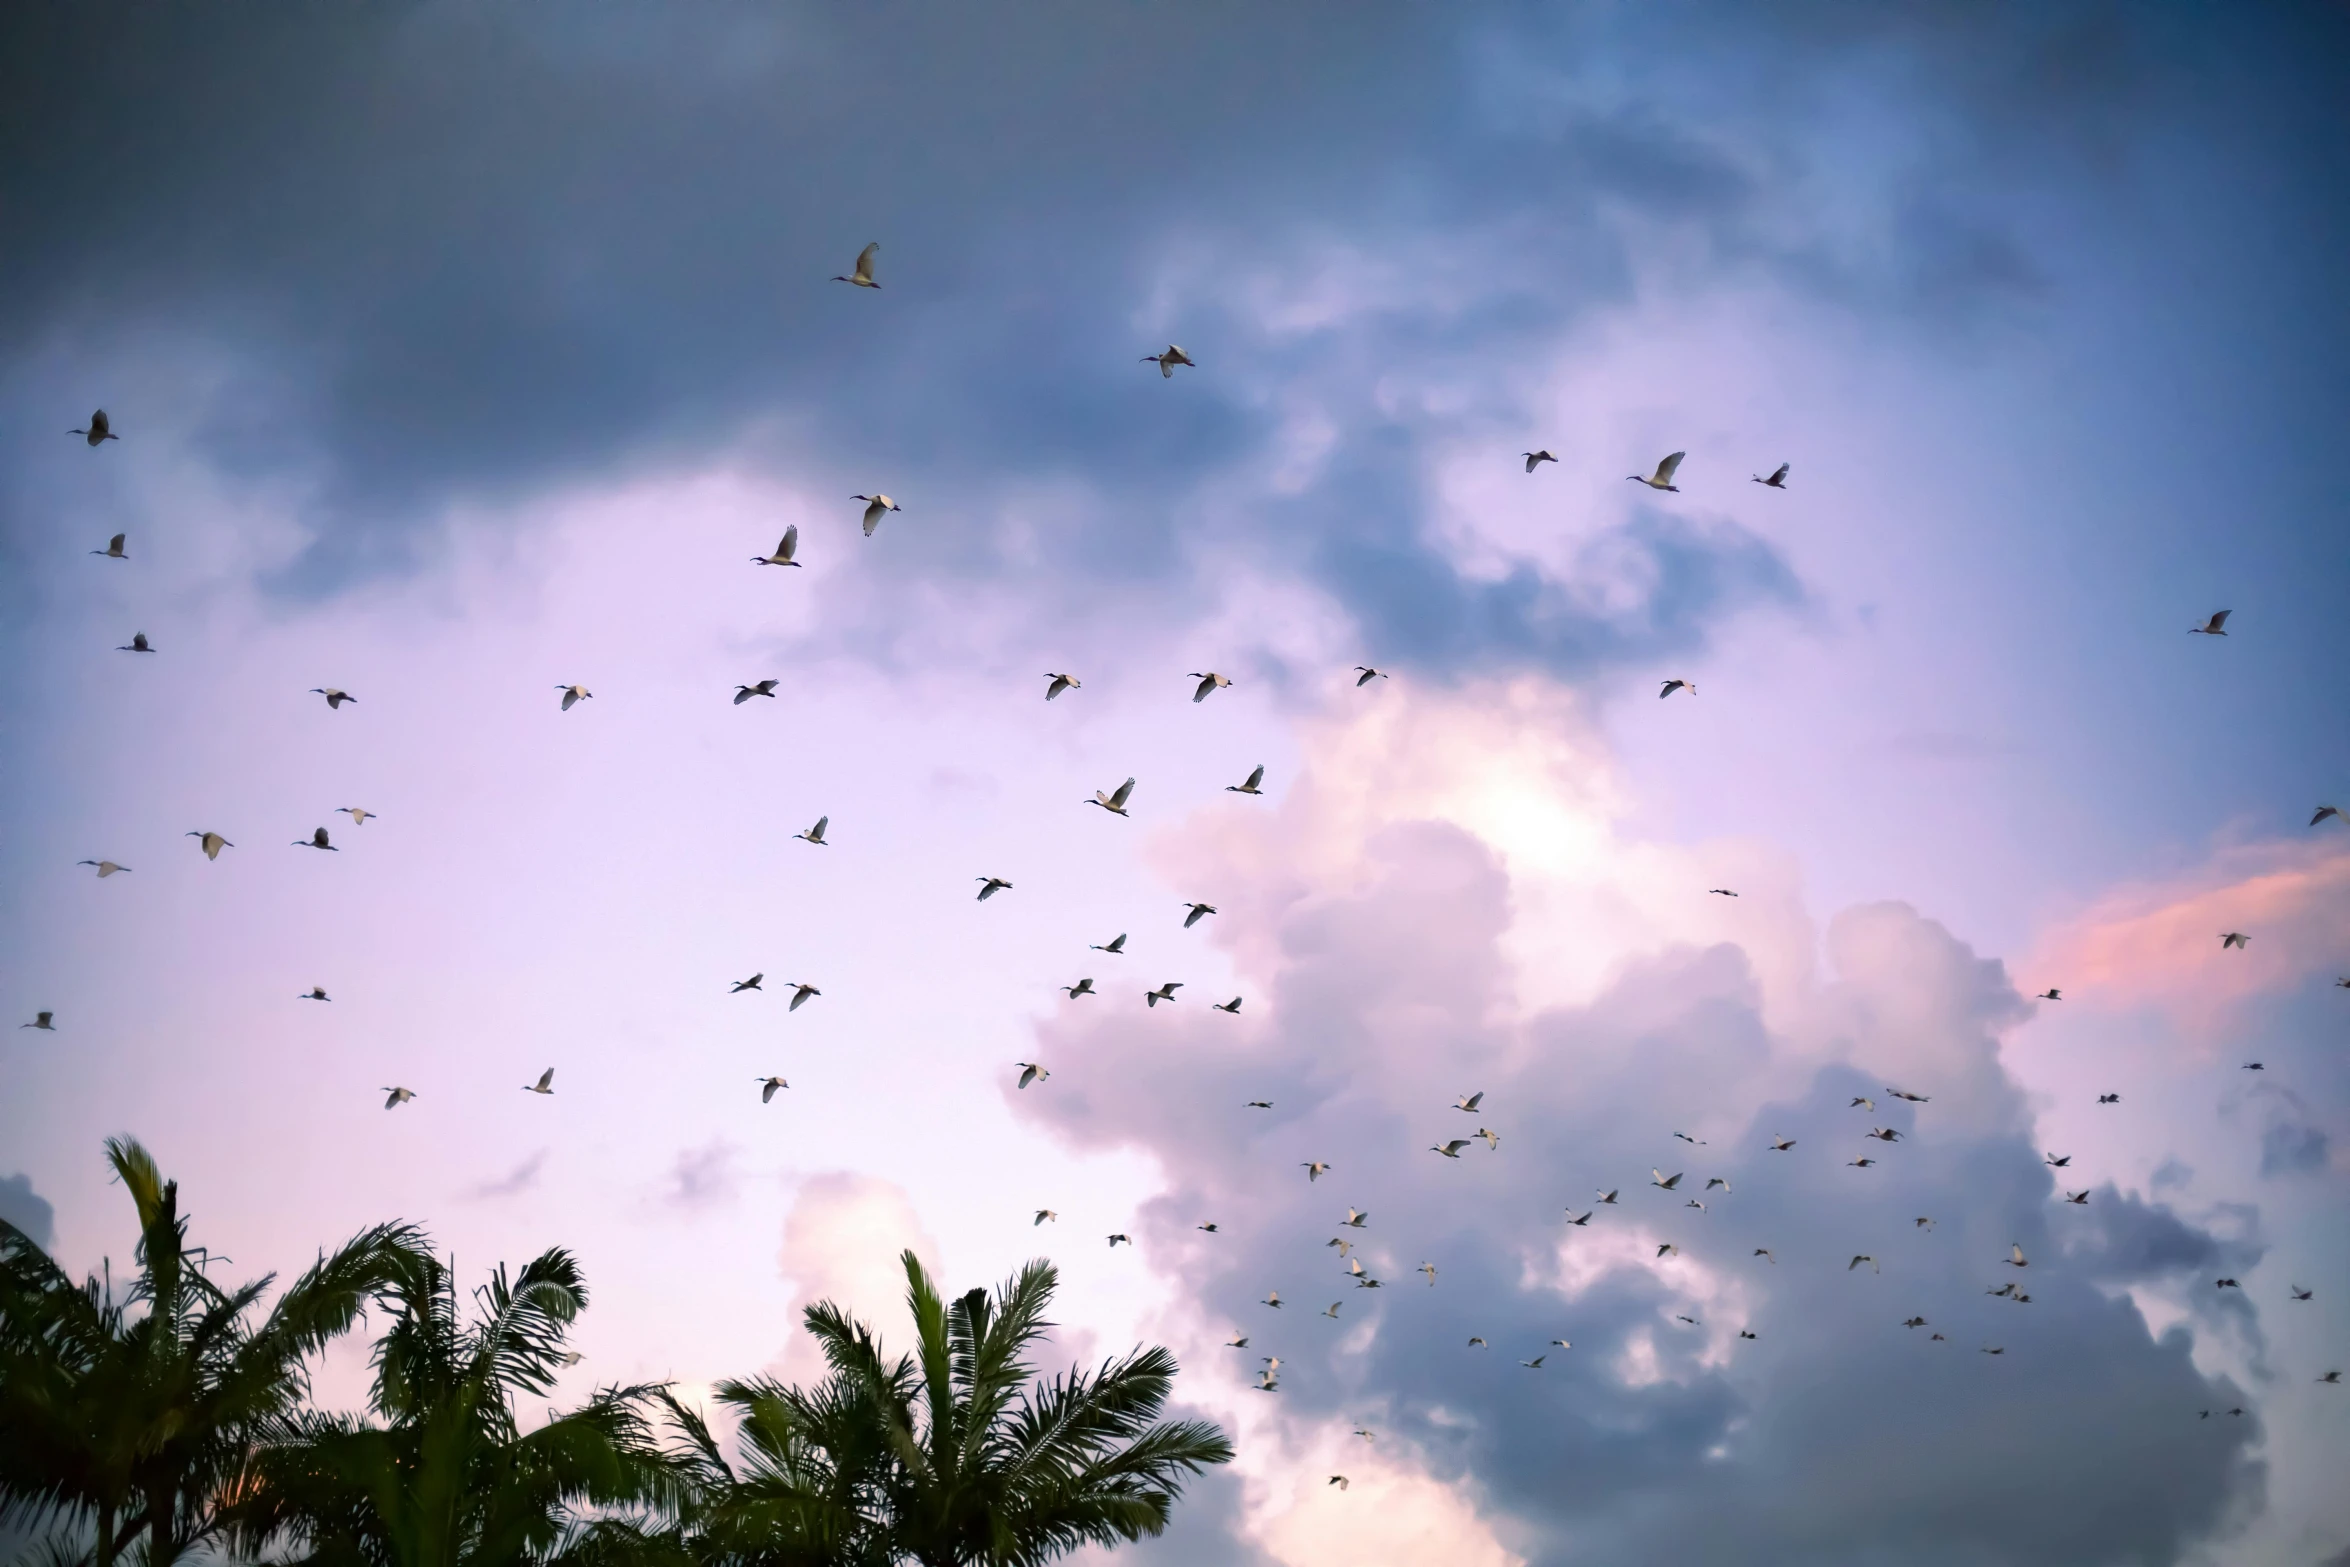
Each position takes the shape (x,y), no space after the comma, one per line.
(989,886)
(98,430)
(211,843)
(1030,1072)
(1332,1312)
(1766,1253)
(2015,1256)
(1209,681)
(2057,1161)
(106,868)
(800,992)
(1677,1317)
(1662,1181)
(2323,811)
(1782,1144)
(113,549)
(1115,1240)
(1451,1150)
(1692,1141)
(2216,626)
(1237,1341)
(2227,1284)
(1232,1006)
(137,644)
(2331,1378)
(1672,686)
(1721,892)
(316,840)
(1210,1228)
(1115,801)
(1994,1350)
(1903,1093)
(1883,1134)
(2005,1291)
(1662,479)
(1115,945)
(1169,360)
(2298,1292)
(2234,938)
(1536,1363)
(1694,1203)
(1476,1342)
(1857,1261)
(1314,1169)
(358,816)
(752,983)
(314,993)
(1583,1218)
(335,696)
(1165,992)
(1339,1481)
(1428,1268)
(1560,1343)
(1198,912)
(1858,1100)
(2109,1099)
(1365,1433)
(1492,1139)
(1365,674)
(2077,1199)
(1470,1102)
(2255,1066)
(876,507)
(1258,1104)
(574,694)
(1273,1299)
(1668,1249)
(46,1022)
(1355,1218)
(1083,987)
(1914,1322)
(743,694)
(768,1086)
(1713,1181)
(1267,1382)
(1860,1164)
(1056,684)
(1342,1243)
(399,1096)
(1608,1196)
(1937,1338)
(1042,1214)
(862,273)
(784,551)
(815,834)
(1778,479)
(545,1084)
(1253,784)
(2050,994)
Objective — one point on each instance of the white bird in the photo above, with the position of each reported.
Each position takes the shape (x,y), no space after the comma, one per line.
(1470,1102)
(1672,686)
(2234,938)
(1365,674)
(862,273)
(753,983)
(876,508)
(1169,360)
(815,834)
(1340,1481)
(1042,1214)
(1315,1169)
(357,815)
(1232,1006)
(314,993)
(1662,479)
(545,1084)
(1608,1196)
(316,840)
(1536,459)
(1694,1203)
(1165,992)
(1451,1150)
(1924,1223)
(1342,1243)
(989,886)
(1209,681)
(784,551)
(1083,987)
(211,843)
(743,694)
(1561,1343)
(1777,481)
(1582,1218)
(1199,911)
(1492,1139)
(106,868)
(1267,1382)
(137,644)
(1355,1218)
(113,549)
(1056,684)
(1115,801)
(1253,785)
(1333,1311)
(399,1096)
(1354,1267)
(1115,946)
(335,695)
(1857,1261)
(1858,1100)
(1030,1072)
(2015,1256)
(572,694)
(44,1021)
(1782,1144)
(768,1086)
(1662,1181)
(800,992)
(2216,626)
(1536,1363)
(1428,1268)
(98,430)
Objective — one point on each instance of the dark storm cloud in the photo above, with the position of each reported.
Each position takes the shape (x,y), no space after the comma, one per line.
(28,1210)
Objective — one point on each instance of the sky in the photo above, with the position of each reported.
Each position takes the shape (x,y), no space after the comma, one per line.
(461,354)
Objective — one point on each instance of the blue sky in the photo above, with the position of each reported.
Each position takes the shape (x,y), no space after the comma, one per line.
(458,356)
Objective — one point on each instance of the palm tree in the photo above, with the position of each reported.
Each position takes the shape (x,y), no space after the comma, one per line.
(123,1417)
(444,1475)
(950,1456)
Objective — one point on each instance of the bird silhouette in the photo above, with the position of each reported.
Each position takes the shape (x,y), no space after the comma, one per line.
(1115,801)
(2050,994)
(768,1086)
(1253,784)
(46,1022)
(98,431)
(1365,674)
(1030,1072)
(2234,938)
(1782,1144)
(2216,626)
(106,868)
(1165,992)
(753,983)
(211,843)
(1115,945)
(545,1084)
(1672,686)
(800,992)
(1197,912)
(137,644)
(743,694)
(1232,1006)
(335,695)
(1777,480)
(316,840)
(1083,987)
(1536,459)
(989,886)
(1314,1169)
(398,1097)
(113,549)
(815,834)
(314,993)
(573,695)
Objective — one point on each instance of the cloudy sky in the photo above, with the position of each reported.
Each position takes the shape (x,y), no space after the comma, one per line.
(460,353)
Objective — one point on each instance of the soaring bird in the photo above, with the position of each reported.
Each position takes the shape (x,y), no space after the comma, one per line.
(784,551)
(1721,892)
(1609,1196)
(2057,1161)
(1883,1134)
(1536,459)
(1121,1239)
(768,1086)
(1355,1218)
(1267,1382)
(1662,479)
(1056,684)
(399,1096)
(1083,987)
(2255,1066)
(2050,994)
(113,549)
(1903,1093)
(137,644)
(1860,1164)
(357,815)
(106,868)
(1767,1255)
(316,840)
(862,273)
(743,694)
(1492,1139)
(1115,801)
(1169,360)
(314,993)
(2297,1291)
(2331,1378)
(2077,1199)
(1253,784)
(1451,1150)
(1210,1227)
(1470,1102)
(2323,811)
(1165,992)
(2227,1284)
(1662,1181)
(1273,1299)
(574,694)
(1428,1268)
(1232,1006)
(545,1084)
(989,886)
(1536,1363)
(2109,1099)
(1857,1261)
(752,983)
(1990,1349)
(98,430)
(212,843)
(1314,1169)
(1339,1481)
(2015,1256)
(1672,686)
(876,508)
(1695,1142)
(46,1023)
(815,834)
(1332,1312)
(1209,681)
(1477,1342)
(1258,1104)
(1667,1249)
(2216,626)
(1365,674)
(1560,1343)
(1198,912)
(1030,1072)
(335,695)
(1914,1322)
(2233,938)
(1713,1181)
(800,992)
(1115,946)
(1782,1144)
(1858,1100)
(1694,1203)
(1579,1219)
(1777,481)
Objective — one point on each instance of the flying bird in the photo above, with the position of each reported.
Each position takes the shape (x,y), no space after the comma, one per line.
(1043,1214)
(2109,1099)
(2015,1256)
(1859,1100)
(575,694)
(1583,1218)
(1777,480)
(1469,1102)
(1609,1195)
(1903,1093)
(1253,784)
(1267,1382)
(1677,1317)
(106,868)
(1672,686)
(1169,360)
(1782,1144)
(1365,674)
(1667,1249)
(1083,987)
(2298,1292)
(1332,1312)
(1232,1006)
(1115,801)
(46,1023)
(989,886)
(1030,1072)
(1114,946)
(1662,1181)
(335,695)
(1056,684)
(545,1084)
(1342,1243)
(1492,1139)
(1116,1239)
(862,273)
(1713,1181)
(1994,1350)
(1314,1169)
(1694,1203)
(212,843)
(1428,1268)
(1721,892)
(2057,1161)
(1273,1299)
(1199,911)
(1210,1227)
(399,1096)
(1476,1342)
(2077,1199)
(768,1086)
(1165,992)
(1339,1481)
(1860,1164)
(314,993)
(2234,938)
(97,431)
(2323,811)
(1857,1261)
(1883,1134)
(358,816)
(743,694)
(815,834)
(2050,994)
(114,551)
(1662,479)
(2255,1066)
(800,992)
(1692,1141)
(752,983)
(1742,1333)
(137,644)
(2331,1378)
(2226,1284)
(1355,1218)
(2216,626)
(1209,681)
(1258,1104)
(784,551)
(1536,459)
(1536,1363)
(1766,1253)
(876,508)
(1451,1150)
(316,840)
(1914,1322)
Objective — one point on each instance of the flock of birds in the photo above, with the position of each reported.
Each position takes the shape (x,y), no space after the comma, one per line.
(878,506)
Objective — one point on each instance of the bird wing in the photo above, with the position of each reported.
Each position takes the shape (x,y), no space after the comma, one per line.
(1118,796)
(865,261)
(1780,477)
(2221,619)
(1255,778)
(1670,466)
(546,1080)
